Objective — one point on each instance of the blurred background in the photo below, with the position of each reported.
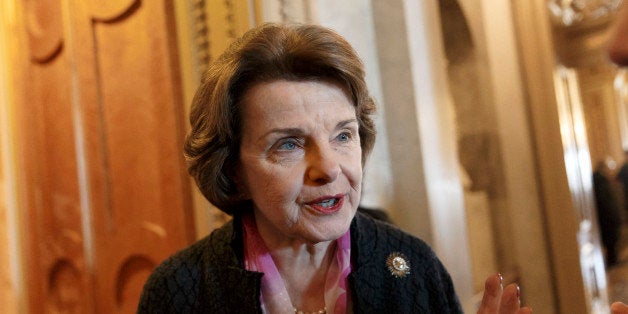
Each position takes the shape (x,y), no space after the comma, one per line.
(493,116)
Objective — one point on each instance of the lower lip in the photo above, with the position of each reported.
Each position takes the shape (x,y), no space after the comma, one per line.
(331,209)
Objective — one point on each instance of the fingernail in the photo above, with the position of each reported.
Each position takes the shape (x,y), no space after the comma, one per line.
(518,292)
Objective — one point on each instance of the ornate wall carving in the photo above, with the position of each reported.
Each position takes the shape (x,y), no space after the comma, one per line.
(216,23)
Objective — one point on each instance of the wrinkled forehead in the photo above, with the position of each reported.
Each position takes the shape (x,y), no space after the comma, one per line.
(284,103)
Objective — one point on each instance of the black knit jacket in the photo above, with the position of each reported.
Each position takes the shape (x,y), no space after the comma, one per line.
(209,277)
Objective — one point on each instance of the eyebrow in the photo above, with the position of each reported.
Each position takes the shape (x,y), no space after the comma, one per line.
(345,122)
(298,131)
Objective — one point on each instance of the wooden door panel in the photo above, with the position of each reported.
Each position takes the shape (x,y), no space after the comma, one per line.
(142,213)
(106,194)
(56,270)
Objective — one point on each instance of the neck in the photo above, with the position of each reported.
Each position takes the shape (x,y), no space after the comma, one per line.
(313,259)
(302,265)
(304,272)
(311,256)
(294,255)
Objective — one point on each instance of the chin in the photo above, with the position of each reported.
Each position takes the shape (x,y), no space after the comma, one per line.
(329,228)
(314,239)
(334,232)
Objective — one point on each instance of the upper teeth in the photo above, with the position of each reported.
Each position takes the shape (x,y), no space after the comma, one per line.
(328,203)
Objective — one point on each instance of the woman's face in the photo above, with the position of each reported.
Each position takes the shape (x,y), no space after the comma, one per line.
(300,160)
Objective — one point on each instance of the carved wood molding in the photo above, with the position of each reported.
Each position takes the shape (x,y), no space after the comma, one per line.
(580,31)
(570,13)
(216,23)
(230,18)
(65,287)
(107,10)
(65,271)
(201,33)
(44,25)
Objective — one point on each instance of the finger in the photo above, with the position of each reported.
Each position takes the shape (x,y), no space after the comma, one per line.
(492,294)
(510,300)
(619,308)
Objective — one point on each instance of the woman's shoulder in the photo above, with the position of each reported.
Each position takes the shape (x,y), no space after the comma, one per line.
(176,279)
(389,260)
(195,254)
(378,243)
(171,285)
(383,235)
(189,257)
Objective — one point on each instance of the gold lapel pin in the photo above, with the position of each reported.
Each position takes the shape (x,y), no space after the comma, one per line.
(398,264)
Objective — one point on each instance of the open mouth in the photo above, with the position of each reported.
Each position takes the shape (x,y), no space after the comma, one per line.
(327,204)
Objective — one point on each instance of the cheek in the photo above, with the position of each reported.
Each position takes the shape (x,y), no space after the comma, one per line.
(356,167)
(353,171)
(356,178)
(273,187)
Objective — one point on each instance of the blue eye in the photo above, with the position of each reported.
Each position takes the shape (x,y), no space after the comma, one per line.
(344,137)
(289,144)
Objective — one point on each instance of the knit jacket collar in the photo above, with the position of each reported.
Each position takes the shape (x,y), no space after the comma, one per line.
(249,282)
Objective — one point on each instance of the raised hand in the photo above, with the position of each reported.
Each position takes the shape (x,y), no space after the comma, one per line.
(498,299)
(619,308)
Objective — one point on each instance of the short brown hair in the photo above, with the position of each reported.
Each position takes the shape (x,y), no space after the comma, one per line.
(266,53)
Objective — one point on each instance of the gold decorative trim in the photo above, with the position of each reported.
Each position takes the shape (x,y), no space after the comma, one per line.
(201,35)
(231,19)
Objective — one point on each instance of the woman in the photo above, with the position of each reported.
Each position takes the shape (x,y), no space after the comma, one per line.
(281,128)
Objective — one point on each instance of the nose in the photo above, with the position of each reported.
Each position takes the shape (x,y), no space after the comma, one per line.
(323,165)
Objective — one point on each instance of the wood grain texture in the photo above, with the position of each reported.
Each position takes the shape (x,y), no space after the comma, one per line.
(106,194)
(55,261)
